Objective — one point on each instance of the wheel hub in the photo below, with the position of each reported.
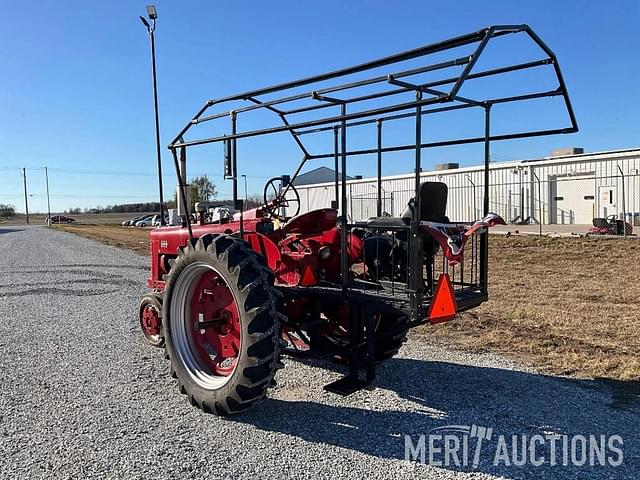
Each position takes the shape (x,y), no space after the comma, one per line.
(150,321)
(215,324)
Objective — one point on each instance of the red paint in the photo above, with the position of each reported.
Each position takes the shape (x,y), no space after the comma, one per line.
(291,252)
(267,248)
(312,222)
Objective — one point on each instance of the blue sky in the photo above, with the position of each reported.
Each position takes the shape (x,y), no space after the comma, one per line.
(75,93)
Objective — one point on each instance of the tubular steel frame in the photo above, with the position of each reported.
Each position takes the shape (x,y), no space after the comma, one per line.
(427,96)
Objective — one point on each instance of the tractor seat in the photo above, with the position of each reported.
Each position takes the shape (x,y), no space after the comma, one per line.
(433,206)
(433,203)
(391,222)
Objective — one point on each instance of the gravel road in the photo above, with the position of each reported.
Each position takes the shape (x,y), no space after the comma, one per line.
(83,396)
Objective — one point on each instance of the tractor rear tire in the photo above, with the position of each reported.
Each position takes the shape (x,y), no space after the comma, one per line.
(387,346)
(391,333)
(222,328)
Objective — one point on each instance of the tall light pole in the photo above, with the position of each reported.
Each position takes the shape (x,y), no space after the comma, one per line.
(46,176)
(384,192)
(245,191)
(473,186)
(151,28)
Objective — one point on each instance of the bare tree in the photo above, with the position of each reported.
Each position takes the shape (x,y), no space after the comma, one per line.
(202,189)
(254,201)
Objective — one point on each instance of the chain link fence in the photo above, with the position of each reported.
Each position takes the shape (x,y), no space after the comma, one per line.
(532,202)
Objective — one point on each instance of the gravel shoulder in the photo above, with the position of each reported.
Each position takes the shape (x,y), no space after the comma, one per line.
(84,397)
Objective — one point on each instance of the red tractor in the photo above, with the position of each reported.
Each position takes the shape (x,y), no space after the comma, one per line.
(229,297)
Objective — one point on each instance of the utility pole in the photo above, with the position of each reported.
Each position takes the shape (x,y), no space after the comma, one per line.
(26,201)
(46,176)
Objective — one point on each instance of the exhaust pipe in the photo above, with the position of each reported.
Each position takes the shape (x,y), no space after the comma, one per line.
(182,184)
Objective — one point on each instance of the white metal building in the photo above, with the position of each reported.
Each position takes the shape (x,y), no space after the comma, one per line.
(569,189)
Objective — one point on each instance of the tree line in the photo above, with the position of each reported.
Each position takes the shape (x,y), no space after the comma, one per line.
(7,210)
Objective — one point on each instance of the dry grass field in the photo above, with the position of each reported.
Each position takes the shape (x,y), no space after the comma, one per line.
(568,306)
(132,238)
(84,218)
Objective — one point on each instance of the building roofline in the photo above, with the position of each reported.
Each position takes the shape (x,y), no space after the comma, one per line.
(619,153)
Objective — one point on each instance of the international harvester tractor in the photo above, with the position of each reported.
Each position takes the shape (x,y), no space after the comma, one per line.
(229,298)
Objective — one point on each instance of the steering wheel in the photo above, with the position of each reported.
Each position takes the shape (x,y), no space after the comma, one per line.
(277,196)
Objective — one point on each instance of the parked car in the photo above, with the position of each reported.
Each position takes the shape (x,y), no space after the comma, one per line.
(145,221)
(220,214)
(131,222)
(155,221)
(62,219)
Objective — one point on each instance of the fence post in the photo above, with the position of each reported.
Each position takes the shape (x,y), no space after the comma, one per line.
(624,204)
(535,175)
(350,201)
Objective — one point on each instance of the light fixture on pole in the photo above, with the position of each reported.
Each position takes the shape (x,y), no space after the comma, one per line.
(151,11)
(151,28)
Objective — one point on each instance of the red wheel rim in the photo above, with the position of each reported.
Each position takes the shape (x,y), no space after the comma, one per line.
(150,321)
(215,325)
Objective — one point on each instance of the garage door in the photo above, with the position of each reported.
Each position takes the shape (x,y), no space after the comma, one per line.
(574,200)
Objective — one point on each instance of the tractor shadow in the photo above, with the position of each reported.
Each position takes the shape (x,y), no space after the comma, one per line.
(431,394)
(9,230)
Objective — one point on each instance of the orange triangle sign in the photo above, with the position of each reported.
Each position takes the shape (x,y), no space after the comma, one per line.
(308,277)
(443,306)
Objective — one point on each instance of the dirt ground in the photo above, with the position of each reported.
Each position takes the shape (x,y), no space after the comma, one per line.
(132,238)
(568,306)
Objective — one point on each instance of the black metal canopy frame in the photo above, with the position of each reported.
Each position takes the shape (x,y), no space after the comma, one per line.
(392,84)
(331,102)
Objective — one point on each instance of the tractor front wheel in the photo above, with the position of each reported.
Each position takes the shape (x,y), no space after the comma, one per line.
(221,324)
(150,318)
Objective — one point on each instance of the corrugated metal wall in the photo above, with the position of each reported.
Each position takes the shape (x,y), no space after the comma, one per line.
(518,190)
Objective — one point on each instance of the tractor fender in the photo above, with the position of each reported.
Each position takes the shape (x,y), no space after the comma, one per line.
(264,246)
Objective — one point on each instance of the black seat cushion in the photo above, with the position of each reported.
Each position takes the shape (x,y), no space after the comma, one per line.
(391,222)
(433,203)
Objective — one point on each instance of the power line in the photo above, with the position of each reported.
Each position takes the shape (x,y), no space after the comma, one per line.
(120,173)
(92,196)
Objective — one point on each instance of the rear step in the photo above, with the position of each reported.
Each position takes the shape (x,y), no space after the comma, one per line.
(347,385)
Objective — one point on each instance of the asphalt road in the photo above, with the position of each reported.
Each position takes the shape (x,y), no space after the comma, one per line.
(82,396)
